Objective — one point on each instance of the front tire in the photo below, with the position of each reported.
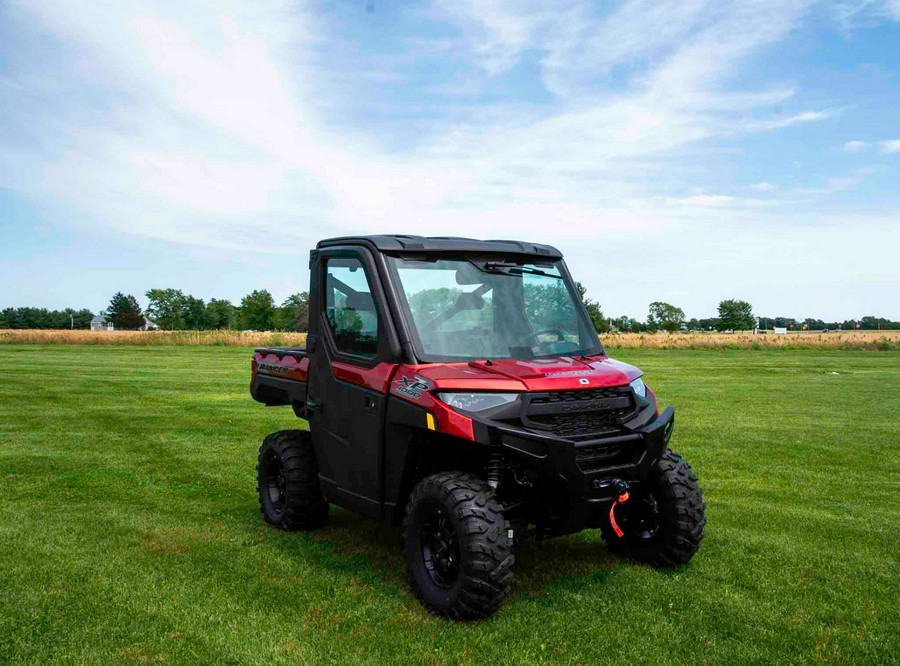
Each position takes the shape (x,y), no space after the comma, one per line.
(458,551)
(290,497)
(662,525)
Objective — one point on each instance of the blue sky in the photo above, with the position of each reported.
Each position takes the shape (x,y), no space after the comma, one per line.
(686,151)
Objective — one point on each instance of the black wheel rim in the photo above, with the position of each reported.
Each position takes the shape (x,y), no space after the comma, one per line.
(275,483)
(639,518)
(440,549)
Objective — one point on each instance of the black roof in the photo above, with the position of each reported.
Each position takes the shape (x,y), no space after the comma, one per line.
(425,244)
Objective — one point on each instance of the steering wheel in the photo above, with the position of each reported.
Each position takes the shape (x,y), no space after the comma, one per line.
(560,336)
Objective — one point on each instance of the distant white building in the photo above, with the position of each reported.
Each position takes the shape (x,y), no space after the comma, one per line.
(99,323)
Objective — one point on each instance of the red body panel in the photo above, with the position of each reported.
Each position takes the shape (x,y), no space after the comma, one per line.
(417,383)
(557,374)
(561,373)
(280,366)
(376,378)
(448,421)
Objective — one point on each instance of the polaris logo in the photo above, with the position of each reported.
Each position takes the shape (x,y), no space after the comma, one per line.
(584,381)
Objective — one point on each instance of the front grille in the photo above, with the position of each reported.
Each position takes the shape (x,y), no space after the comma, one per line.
(580,415)
(556,397)
(600,456)
(576,426)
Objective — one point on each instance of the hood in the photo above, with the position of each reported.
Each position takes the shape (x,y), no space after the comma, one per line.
(555,374)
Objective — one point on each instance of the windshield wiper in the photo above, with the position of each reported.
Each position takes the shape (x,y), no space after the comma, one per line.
(514,269)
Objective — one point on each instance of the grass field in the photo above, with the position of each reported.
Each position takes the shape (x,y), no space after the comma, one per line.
(129,529)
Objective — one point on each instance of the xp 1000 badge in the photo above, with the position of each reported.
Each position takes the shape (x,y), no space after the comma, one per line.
(412,387)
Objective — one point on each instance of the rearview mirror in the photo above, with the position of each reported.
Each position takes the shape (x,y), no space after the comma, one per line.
(471,301)
(468,274)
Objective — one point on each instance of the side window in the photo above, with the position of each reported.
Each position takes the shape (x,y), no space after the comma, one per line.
(350,307)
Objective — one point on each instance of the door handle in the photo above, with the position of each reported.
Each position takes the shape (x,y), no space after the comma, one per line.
(369,402)
(312,405)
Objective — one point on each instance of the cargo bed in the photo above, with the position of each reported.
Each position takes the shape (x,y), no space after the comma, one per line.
(279,377)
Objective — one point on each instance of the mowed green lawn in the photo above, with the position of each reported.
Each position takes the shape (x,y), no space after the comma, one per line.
(129,528)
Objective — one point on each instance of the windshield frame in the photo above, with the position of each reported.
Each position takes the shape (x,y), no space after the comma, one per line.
(392,261)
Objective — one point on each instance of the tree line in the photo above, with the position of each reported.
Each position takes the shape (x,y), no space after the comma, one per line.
(44,318)
(734,315)
(172,309)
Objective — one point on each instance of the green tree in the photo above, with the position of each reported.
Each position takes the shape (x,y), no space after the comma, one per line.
(257,311)
(665,316)
(42,318)
(124,312)
(166,308)
(871,323)
(429,302)
(628,324)
(736,315)
(593,310)
(76,318)
(219,313)
(10,318)
(194,314)
(293,315)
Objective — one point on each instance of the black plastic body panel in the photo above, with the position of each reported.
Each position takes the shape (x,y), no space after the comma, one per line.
(274,391)
(556,460)
(448,244)
(405,422)
(349,450)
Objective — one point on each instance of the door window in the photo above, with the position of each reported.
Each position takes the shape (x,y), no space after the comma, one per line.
(350,308)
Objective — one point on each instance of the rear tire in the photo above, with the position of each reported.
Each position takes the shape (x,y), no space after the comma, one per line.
(663,524)
(290,497)
(458,551)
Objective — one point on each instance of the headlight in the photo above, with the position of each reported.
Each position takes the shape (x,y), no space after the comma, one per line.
(640,389)
(476,402)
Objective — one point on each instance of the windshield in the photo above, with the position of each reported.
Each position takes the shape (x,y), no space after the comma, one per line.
(494,308)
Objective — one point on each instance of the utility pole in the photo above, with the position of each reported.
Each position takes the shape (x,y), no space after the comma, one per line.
(72,317)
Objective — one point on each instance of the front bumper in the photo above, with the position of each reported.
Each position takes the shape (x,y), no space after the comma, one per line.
(590,469)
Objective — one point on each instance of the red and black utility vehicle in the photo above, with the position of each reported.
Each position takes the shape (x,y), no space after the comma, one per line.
(457,387)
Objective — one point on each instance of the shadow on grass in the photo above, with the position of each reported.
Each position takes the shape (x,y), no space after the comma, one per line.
(370,550)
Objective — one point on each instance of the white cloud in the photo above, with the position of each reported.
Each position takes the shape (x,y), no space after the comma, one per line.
(788,121)
(703,200)
(889,147)
(834,184)
(854,14)
(216,127)
(856,146)
(504,30)
(696,42)
(764,187)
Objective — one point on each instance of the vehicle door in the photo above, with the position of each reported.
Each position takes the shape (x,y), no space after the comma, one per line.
(350,365)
